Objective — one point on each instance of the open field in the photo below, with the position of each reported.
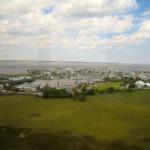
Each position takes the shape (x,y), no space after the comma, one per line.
(108,85)
(123,117)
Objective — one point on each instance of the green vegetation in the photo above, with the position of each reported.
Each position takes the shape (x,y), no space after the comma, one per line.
(118,121)
(47,141)
(80,93)
(49,92)
(104,86)
(132,85)
(110,89)
(80,97)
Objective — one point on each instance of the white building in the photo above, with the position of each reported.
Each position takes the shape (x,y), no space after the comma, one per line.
(26,87)
(147,84)
(16,79)
(1,87)
(139,84)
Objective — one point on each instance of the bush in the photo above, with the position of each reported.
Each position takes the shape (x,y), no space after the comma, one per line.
(129,90)
(82,98)
(110,90)
(90,92)
(102,91)
(132,85)
(49,92)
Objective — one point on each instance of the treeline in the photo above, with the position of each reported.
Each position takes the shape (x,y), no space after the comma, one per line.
(76,94)
(80,93)
(49,92)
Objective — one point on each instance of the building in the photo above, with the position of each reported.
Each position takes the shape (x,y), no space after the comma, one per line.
(15,79)
(139,84)
(1,87)
(147,84)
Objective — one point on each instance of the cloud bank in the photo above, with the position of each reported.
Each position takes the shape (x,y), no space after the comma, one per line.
(72,24)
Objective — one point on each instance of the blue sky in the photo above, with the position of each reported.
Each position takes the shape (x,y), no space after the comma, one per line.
(73,30)
(47,10)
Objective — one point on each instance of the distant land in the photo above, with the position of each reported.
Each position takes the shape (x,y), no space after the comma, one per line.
(21,66)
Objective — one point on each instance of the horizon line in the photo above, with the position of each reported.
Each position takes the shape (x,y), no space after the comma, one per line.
(67,61)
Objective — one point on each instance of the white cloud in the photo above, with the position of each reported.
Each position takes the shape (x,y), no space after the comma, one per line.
(145,26)
(88,8)
(141,35)
(107,24)
(73,24)
(146,13)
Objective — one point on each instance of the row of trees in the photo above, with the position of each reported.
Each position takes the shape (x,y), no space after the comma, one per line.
(49,92)
(77,93)
(81,93)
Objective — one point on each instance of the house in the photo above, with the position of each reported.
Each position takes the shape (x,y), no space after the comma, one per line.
(139,84)
(26,87)
(15,79)
(1,87)
(142,76)
(28,77)
(147,84)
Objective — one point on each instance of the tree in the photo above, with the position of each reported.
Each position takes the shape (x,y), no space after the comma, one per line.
(38,89)
(91,92)
(49,92)
(110,90)
(46,92)
(102,91)
(132,85)
(83,90)
(82,98)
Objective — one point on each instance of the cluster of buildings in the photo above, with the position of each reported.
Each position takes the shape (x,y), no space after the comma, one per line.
(70,77)
(141,84)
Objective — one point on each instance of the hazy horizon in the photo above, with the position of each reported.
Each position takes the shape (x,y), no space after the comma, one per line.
(67,61)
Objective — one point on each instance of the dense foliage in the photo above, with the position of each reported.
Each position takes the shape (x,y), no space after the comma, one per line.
(49,92)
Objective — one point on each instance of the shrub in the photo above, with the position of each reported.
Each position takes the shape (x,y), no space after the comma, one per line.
(129,90)
(110,90)
(82,98)
(132,85)
(102,91)
(49,92)
(90,92)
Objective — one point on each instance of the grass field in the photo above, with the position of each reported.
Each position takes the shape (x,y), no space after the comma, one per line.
(115,85)
(106,117)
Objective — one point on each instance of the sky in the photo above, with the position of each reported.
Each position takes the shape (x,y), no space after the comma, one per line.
(75,30)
